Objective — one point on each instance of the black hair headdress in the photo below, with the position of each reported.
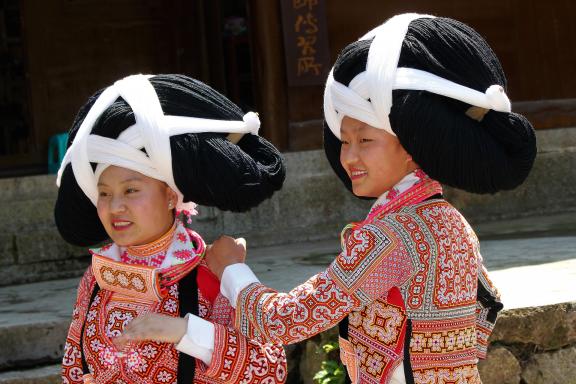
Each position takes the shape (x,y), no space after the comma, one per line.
(169,127)
(417,76)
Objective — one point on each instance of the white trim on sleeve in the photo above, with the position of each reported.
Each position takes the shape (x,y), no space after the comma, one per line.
(198,341)
(235,278)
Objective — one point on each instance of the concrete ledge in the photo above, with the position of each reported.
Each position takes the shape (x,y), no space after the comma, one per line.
(30,344)
(44,375)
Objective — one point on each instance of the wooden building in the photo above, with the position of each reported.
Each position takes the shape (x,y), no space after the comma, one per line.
(56,53)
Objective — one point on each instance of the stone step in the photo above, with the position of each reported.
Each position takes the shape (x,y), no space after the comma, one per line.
(49,374)
(34,318)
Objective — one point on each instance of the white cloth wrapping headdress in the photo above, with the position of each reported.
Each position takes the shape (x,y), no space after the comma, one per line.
(152,132)
(368,97)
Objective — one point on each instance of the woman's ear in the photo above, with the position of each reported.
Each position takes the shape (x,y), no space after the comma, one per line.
(410,163)
(172,196)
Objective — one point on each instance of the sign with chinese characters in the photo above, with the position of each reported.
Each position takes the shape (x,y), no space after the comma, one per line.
(305,41)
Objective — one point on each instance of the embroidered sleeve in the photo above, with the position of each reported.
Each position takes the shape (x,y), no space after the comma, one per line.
(487,307)
(372,261)
(286,318)
(238,359)
(72,360)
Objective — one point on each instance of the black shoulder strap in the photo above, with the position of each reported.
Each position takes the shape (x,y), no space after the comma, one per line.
(188,298)
(343,332)
(408,374)
(95,291)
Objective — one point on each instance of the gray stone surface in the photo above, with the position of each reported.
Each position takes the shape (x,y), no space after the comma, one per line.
(26,215)
(558,224)
(539,249)
(33,272)
(538,328)
(7,249)
(500,367)
(550,188)
(31,344)
(558,367)
(43,375)
(28,188)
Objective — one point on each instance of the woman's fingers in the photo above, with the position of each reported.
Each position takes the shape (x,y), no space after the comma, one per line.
(154,327)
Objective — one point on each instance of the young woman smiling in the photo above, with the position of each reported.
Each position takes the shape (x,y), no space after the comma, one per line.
(140,152)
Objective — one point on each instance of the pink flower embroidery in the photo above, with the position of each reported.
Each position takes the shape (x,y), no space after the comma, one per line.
(392,194)
(183,254)
(181,237)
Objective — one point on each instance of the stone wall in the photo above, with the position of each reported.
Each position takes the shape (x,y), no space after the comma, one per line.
(528,346)
(533,346)
(312,205)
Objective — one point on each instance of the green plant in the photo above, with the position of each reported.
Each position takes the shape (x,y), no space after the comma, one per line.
(331,370)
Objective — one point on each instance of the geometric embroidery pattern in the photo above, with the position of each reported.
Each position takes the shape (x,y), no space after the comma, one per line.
(443,341)
(457,263)
(367,248)
(127,281)
(236,358)
(383,322)
(465,374)
(421,250)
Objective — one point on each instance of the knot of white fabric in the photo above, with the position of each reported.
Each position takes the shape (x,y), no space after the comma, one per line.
(368,97)
(151,132)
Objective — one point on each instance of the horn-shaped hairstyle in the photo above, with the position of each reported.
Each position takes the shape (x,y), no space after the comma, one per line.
(436,85)
(171,128)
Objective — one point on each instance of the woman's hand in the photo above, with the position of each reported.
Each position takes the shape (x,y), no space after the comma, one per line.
(223,252)
(154,327)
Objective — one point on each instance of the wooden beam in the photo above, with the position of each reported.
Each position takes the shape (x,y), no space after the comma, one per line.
(546,114)
(269,69)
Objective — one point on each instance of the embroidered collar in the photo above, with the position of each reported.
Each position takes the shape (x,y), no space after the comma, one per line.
(415,187)
(151,254)
(184,253)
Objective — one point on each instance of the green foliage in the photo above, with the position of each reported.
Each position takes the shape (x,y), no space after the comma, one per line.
(331,370)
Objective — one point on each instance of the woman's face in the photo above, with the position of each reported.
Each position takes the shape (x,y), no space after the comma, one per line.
(374,159)
(134,208)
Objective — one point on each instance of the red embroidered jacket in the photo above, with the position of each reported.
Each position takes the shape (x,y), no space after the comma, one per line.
(411,279)
(235,358)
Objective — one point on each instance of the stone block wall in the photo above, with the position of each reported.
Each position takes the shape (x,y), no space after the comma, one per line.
(533,346)
(313,204)
(30,247)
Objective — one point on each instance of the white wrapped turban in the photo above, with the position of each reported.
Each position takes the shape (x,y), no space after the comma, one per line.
(152,132)
(368,97)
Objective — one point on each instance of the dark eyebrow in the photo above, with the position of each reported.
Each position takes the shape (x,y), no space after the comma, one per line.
(135,178)
(100,184)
